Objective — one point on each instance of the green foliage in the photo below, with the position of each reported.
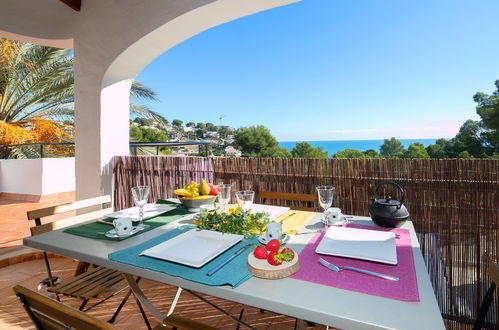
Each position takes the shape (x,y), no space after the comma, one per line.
(488,110)
(439,149)
(210,127)
(225,131)
(200,133)
(465,154)
(391,147)
(141,134)
(371,153)
(190,124)
(37,81)
(177,122)
(278,152)
(201,125)
(234,222)
(143,121)
(472,137)
(255,141)
(350,153)
(415,150)
(305,150)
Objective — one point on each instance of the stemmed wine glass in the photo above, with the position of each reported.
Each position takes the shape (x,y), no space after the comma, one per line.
(326,196)
(224,195)
(245,199)
(140,197)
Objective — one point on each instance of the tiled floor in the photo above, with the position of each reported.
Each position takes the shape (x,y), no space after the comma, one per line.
(14,222)
(18,267)
(28,274)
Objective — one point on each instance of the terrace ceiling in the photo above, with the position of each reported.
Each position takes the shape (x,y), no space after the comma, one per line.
(75,4)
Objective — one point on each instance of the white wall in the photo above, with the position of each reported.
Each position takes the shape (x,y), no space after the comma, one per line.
(58,175)
(37,176)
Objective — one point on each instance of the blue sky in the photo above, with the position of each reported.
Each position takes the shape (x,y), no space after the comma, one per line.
(336,70)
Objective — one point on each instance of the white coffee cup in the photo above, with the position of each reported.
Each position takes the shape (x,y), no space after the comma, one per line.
(274,231)
(123,226)
(335,216)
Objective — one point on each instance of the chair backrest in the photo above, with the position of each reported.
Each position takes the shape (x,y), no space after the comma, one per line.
(305,198)
(47,313)
(62,208)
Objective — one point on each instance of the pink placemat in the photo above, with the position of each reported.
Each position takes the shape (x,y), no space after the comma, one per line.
(406,289)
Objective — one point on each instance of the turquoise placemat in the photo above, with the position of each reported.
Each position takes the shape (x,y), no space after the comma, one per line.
(97,230)
(233,274)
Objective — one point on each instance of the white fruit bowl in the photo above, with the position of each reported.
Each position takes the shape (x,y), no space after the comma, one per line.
(193,204)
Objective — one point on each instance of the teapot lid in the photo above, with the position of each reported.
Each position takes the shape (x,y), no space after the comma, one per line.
(388,201)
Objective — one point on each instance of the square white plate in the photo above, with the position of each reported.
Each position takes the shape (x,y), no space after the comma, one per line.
(273,211)
(357,243)
(193,248)
(150,210)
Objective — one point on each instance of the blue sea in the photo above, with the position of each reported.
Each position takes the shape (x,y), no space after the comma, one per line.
(362,145)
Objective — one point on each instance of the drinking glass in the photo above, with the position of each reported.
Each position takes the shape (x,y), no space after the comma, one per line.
(224,195)
(140,197)
(326,196)
(245,199)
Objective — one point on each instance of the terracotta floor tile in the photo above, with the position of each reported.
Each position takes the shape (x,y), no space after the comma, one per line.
(28,274)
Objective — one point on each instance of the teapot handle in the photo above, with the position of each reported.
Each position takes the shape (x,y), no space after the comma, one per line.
(393,184)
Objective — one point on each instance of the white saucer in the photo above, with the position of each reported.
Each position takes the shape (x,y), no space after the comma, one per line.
(112,233)
(284,239)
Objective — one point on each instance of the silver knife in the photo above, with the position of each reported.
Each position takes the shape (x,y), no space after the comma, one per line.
(286,218)
(219,266)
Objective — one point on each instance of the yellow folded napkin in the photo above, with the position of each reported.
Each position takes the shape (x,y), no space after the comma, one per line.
(297,220)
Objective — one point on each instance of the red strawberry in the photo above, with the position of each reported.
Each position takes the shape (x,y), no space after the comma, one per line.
(273,245)
(260,253)
(274,258)
(287,254)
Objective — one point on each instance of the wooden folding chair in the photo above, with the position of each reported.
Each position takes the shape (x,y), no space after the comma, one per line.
(47,313)
(87,283)
(489,296)
(304,198)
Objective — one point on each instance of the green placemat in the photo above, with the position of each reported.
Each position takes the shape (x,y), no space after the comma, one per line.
(96,230)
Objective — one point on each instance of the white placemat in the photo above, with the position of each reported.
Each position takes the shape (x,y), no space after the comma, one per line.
(273,211)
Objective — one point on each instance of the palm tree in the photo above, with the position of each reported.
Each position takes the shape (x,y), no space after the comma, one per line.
(37,95)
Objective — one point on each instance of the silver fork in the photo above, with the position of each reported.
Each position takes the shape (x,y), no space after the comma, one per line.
(337,269)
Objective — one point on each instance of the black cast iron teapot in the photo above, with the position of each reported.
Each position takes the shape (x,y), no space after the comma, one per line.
(388,212)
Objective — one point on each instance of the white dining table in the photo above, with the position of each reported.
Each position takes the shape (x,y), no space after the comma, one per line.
(296,298)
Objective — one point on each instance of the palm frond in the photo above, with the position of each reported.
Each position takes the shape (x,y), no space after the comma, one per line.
(140,92)
(144,111)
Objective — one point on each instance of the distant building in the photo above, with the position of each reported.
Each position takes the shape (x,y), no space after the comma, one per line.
(212,134)
(230,151)
(189,129)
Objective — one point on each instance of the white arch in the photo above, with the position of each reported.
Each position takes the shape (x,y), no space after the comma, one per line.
(108,57)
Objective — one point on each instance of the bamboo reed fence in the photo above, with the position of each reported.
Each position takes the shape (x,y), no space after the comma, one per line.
(453,204)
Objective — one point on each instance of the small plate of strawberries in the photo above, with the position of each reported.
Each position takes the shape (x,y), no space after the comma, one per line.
(272,261)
